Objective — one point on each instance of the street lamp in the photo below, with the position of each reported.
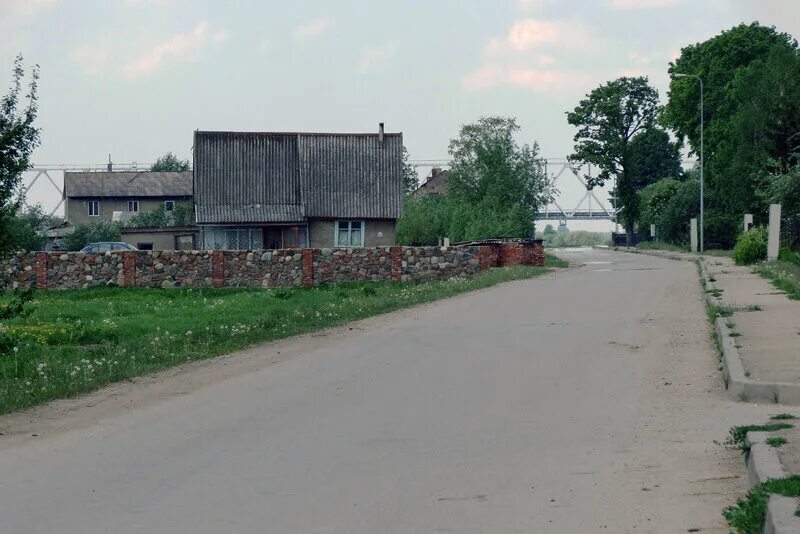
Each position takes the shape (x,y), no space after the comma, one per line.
(679,75)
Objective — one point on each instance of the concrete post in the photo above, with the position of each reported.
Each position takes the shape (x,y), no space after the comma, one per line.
(748,221)
(653,231)
(693,234)
(774,239)
(446,243)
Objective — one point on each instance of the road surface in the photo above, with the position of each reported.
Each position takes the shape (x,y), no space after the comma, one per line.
(584,401)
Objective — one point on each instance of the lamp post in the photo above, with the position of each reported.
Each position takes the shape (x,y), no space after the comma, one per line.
(699,79)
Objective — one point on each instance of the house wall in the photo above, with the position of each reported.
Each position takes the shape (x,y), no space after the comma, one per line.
(161,240)
(377,233)
(77,209)
(262,268)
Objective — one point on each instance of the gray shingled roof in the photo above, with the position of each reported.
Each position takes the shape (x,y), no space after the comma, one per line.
(273,177)
(128,184)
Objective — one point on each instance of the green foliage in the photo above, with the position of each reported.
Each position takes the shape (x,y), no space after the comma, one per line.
(683,205)
(738,434)
(654,157)
(77,341)
(83,234)
(721,230)
(784,275)
(494,186)
(748,514)
(180,215)
(751,247)
(653,200)
(608,119)
(777,441)
(18,138)
(578,238)
(410,178)
(169,162)
(783,416)
(25,231)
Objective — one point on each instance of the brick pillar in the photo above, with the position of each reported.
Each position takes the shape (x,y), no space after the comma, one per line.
(218,268)
(41,270)
(396,254)
(129,269)
(308,267)
(538,253)
(485,257)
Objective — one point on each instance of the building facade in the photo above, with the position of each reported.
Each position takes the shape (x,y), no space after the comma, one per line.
(285,190)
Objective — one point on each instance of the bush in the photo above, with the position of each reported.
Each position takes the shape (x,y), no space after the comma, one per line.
(751,247)
(721,230)
(83,234)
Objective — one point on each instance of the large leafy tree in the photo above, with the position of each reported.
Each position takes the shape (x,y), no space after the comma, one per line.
(169,162)
(498,182)
(750,106)
(608,120)
(18,138)
(654,156)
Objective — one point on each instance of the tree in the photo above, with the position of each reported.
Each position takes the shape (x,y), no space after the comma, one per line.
(410,178)
(161,218)
(83,234)
(18,138)
(169,162)
(748,107)
(654,156)
(26,230)
(608,119)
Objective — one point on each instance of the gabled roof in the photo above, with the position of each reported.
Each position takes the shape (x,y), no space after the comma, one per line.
(128,184)
(247,177)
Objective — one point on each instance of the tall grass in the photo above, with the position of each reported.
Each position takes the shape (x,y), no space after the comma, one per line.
(77,341)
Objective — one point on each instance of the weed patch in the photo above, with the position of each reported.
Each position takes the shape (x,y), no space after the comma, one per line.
(783,416)
(776,441)
(748,514)
(738,434)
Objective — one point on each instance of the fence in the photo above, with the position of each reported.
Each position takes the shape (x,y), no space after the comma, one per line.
(263,268)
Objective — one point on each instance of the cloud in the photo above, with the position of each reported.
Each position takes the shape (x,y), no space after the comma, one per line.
(311,29)
(180,47)
(532,34)
(625,5)
(539,80)
(373,58)
(92,58)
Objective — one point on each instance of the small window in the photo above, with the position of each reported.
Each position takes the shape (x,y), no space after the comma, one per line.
(144,246)
(349,234)
(133,206)
(169,205)
(94,208)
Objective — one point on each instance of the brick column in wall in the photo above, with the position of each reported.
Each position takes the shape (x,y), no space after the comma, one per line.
(485,257)
(41,270)
(128,269)
(308,267)
(396,254)
(218,268)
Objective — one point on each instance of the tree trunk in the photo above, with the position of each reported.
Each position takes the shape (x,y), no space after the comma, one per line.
(629,235)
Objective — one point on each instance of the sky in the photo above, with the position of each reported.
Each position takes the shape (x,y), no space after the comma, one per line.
(134,78)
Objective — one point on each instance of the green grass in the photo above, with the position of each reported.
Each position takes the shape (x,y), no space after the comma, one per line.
(552,261)
(784,275)
(748,514)
(738,434)
(77,341)
(718,253)
(660,245)
(783,416)
(776,441)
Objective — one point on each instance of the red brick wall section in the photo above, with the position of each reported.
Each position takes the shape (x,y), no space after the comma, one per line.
(396,254)
(511,254)
(128,269)
(41,270)
(218,268)
(308,267)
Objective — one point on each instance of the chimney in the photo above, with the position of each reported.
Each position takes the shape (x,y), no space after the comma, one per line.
(110,165)
(380,132)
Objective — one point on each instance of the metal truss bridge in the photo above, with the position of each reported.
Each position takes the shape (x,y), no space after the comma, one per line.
(560,171)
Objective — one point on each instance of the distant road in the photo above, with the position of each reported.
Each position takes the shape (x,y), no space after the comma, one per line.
(584,401)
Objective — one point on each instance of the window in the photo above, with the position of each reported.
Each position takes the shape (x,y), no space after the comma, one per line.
(94,208)
(133,206)
(144,246)
(169,205)
(222,238)
(349,234)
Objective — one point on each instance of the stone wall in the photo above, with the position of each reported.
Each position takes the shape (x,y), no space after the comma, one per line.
(263,268)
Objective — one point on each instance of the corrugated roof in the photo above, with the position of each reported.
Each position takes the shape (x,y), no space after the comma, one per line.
(271,177)
(128,184)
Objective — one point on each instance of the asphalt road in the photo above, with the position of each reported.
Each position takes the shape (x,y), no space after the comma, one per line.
(583,401)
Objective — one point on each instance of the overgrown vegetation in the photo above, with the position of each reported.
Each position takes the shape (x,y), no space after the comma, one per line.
(76,341)
(494,187)
(777,441)
(738,434)
(783,417)
(751,247)
(169,162)
(784,275)
(180,215)
(83,234)
(748,514)
(661,245)
(552,238)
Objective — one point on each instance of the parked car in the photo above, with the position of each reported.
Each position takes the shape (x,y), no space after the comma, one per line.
(107,246)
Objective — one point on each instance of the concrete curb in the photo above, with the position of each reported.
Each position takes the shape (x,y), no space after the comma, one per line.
(763,464)
(738,385)
(656,253)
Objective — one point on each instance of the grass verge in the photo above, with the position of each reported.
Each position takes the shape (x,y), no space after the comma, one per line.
(660,245)
(738,434)
(748,514)
(78,341)
(784,275)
